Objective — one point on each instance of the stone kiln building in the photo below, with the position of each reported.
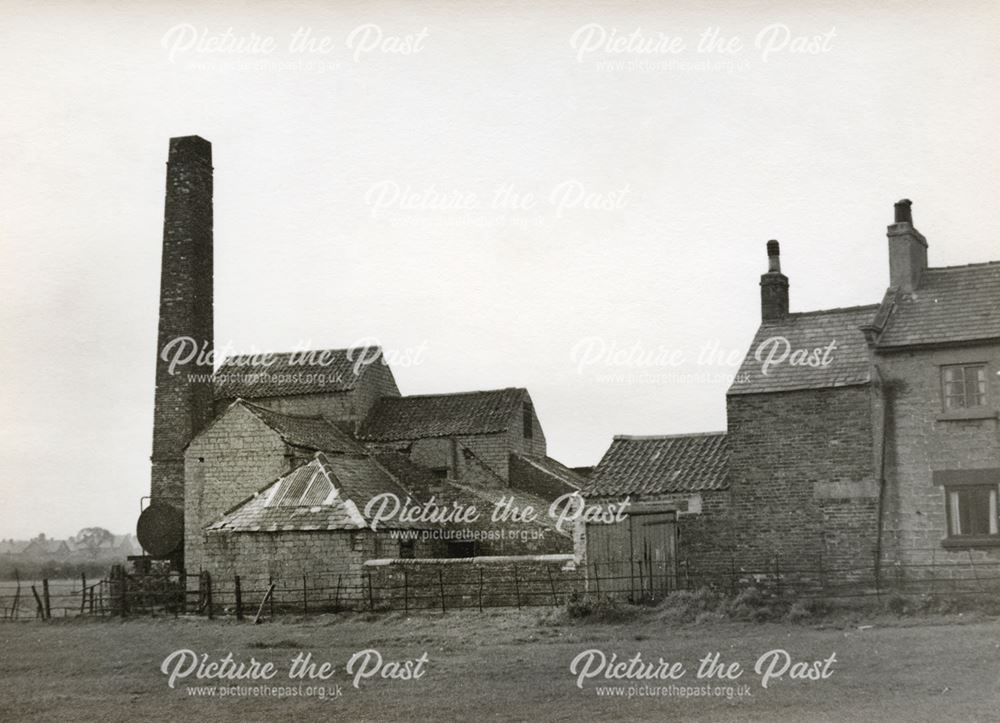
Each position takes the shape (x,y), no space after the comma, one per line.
(267,468)
(858,438)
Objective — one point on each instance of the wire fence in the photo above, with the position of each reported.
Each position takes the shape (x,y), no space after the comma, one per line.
(475,583)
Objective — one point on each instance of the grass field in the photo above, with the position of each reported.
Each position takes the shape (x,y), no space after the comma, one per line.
(501,666)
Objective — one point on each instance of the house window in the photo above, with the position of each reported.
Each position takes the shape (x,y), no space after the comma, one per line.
(972,511)
(440,472)
(528,416)
(963,386)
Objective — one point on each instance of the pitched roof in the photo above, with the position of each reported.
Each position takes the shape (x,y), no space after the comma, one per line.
(326,493)
(659,465)
(951,304)
(442,415)
(309,432)
(302,372)
(554,468)
(13,547)
(813,331)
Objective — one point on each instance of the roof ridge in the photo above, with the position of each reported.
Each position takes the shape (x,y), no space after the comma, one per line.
(834,310)
(644,437)
(299,351)
(453,394)
(975,265)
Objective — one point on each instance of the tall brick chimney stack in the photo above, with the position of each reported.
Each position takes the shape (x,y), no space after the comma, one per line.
(907,249)
(773,286)
(183,404)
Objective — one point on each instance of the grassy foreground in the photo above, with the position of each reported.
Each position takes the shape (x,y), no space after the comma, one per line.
(502,666)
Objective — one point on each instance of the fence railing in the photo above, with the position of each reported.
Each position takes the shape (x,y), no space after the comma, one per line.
(436,585)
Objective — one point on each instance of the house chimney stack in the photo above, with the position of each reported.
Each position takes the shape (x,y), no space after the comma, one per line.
(907,250)
(773,286)
(183,399)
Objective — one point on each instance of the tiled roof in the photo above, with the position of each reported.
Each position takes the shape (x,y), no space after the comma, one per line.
(354,480)
(442,415)
(659,465)
(951,304)
(309,432)
(485,500)
(312,372)
(554,468)
(810,331)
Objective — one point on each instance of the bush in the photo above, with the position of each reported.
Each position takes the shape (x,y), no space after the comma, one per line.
(686,606)
(600,608)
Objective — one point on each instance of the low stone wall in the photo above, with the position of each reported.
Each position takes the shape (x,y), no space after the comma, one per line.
(508,581)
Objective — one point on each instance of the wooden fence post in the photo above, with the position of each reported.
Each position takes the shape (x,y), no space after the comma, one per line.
(208,595)
(269,595)
(239,597)
(371,597)
(48,602)
(83,591)
(597,579)
(552,586)
(270,598)
(517,588)
(38,601)
(17,596)
(441,586)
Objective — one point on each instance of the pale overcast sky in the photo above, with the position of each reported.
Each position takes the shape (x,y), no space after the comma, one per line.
(363,193)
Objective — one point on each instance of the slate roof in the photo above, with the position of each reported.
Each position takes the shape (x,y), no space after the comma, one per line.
(951,304)
(326,493)
(661,465)
(308,372)
(442,415)
(849,363)
(309,432)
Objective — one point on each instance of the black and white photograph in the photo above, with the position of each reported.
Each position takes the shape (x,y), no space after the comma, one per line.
(384,360)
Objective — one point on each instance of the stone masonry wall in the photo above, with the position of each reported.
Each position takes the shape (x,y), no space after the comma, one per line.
(496,581)
(236,456)
(322,561)
(922,439)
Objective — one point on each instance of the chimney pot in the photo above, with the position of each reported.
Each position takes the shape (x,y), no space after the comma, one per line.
(907,250)
(903,212)
(773,286)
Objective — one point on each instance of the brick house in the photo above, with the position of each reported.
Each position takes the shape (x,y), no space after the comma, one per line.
(880,446)
(857,438)
(936,348)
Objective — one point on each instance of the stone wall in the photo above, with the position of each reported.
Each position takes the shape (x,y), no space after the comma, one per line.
(234,457)
(496,581)
(923,439)
(322,561)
